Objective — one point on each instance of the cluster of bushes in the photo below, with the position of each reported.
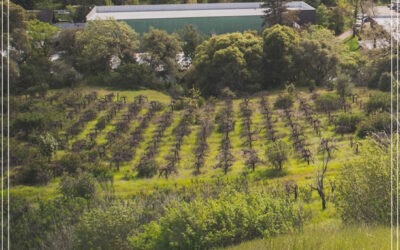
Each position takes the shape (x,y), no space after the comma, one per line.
(232,218)
(202,215)
(347,123)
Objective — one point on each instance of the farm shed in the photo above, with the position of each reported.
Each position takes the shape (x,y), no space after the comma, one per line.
(210,18)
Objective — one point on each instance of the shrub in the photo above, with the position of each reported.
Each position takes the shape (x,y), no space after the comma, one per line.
(347,123)
(64,75)
(343,86)
(37,171)
(363,193)
(206,224)
(47,145)
(35,222)
(384,82)
(327,102)
(277,154)
(21,153)
(100,171)
(132,76)
(107,228)
(284,101)
(377,123)
(82,186)
(378,102)
(147,168)
(28,122)
(70,162)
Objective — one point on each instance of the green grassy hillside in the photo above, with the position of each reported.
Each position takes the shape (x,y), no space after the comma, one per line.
(295,169)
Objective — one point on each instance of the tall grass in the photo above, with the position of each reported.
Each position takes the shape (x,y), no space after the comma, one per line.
(329,235)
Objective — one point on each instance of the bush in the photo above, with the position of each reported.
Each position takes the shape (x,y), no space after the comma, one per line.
(377,123)
(378,102)
(70,163)
(37,171)
(277,154)
(107,228)
(42,223)
(64,76)
(82,186)
(347,123)
(28,122)
(364,187)
(132,76)
(343,86)
(284,101)
(206,224)
(327,102)
(21,153)
(147,168)
(100,171)
(385,82)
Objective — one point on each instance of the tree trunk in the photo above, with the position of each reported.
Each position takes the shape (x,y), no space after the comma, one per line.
(323,201)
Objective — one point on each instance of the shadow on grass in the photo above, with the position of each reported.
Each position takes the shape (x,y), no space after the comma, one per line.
(270,173)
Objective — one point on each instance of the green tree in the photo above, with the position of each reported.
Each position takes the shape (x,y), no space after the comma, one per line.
(230,60)
(18,22)
(343,86)
(322,15)
(40,36)
(276,13)
(78,13)
(191,39)
(279,45)
(103,40)
(34,76)
(161,51)
(314,62)
(47,145)
(66,44)
(278,154)
(339,18)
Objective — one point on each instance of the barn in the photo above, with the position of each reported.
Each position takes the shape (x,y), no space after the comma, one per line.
(209,19)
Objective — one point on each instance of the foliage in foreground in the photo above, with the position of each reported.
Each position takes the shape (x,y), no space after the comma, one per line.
(233,218)
(364,187)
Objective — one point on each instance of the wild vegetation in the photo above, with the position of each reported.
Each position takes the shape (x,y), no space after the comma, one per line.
(281,136)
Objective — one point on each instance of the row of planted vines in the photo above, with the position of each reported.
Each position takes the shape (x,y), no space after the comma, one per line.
(147,137)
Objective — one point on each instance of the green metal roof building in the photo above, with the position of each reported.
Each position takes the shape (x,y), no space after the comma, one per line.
(209,19)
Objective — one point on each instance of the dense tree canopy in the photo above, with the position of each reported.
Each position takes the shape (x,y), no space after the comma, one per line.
(191,39)
(280,43)
(231,60)
(161,50)
(102,41)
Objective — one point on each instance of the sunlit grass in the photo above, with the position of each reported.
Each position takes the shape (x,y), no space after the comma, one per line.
(294,169)
(328,235)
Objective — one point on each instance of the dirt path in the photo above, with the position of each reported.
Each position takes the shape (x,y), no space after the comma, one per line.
(345,34)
